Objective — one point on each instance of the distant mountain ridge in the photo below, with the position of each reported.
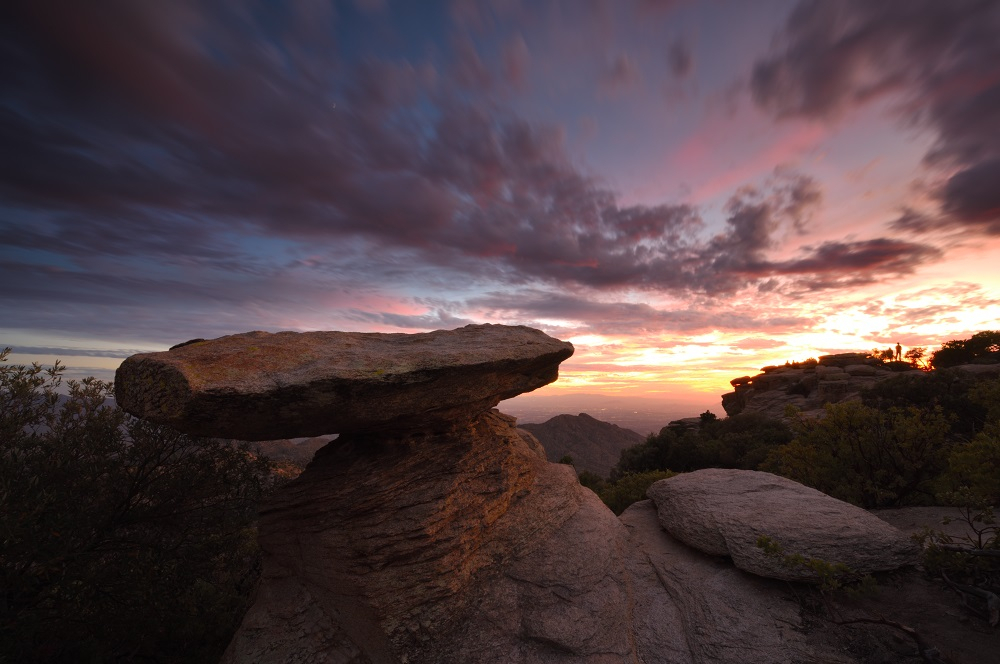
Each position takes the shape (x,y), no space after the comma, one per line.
(593,445)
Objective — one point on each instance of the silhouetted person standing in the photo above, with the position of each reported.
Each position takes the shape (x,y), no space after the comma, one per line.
(899,352)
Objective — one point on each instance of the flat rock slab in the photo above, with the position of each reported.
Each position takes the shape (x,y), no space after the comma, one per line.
(724,512)
(264,386)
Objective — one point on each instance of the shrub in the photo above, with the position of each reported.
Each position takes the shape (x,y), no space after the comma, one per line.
(974,467)
(949,390)
(865,456)
(742,441)
(980,347)
(630,488)
(119,539)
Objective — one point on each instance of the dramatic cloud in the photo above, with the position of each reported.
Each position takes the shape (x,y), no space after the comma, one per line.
(587,315)
(939,62)
(187,169)
(126,151)
(972,196)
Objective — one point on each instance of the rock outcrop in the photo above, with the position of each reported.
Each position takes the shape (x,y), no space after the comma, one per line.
(809,385)
(723,513)
(263,386)
(695,608)
(594,445)
(436,547)
(433,530)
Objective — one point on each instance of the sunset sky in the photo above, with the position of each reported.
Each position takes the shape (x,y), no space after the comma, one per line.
(687,191)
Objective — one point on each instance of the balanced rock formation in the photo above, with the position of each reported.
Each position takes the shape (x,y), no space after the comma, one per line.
(432,530)
(593,445)
(724,512)
(263,386)
(809,385)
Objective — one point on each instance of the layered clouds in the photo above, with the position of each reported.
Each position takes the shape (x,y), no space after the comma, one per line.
(937,63)
(178,169)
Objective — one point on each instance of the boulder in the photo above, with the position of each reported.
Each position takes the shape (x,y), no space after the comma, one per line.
(734,403)
(843,359)
(860,370)
(692,608)
(724,512)
(263,386)
(773,403)
(979,370)
(838,375)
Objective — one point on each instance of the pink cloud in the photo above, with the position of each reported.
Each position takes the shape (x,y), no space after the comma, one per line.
(708,150)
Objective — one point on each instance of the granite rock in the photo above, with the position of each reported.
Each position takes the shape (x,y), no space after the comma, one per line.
(455,546)
(723,512)
(263,386)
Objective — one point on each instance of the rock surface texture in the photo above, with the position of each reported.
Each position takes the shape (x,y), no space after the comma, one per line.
(723,513)
(263,386)
(432,530)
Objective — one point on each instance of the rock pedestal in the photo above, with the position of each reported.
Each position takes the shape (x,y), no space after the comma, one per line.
(436,547)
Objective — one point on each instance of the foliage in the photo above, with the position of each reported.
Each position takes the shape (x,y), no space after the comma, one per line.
(865,456)
(593,481)
(980,347)
(882,356)
(974,467)
(970,564)
(119,540)
(949,390)
(742,441)
(630,488)
(917,357)
(986,394)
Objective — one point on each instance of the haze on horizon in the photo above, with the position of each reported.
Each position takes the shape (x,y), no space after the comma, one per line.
(686,190)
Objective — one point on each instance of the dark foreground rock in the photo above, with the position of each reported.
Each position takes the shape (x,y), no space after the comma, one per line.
(263,386)
(434,539)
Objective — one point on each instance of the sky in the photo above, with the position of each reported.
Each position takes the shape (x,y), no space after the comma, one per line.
(685,190)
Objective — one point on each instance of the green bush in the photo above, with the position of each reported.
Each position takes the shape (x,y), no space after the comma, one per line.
(947,389)
(980,347)
(742,441)
(974,467)
(119,540)
(630,488)
(865,456)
